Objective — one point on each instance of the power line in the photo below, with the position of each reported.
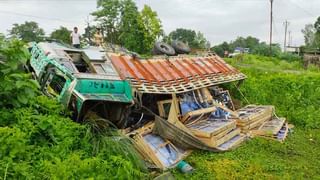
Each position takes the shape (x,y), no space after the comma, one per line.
(39,17)
(304,10)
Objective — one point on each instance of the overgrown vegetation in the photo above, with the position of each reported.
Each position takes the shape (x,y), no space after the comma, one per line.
(295,93)
(39,142)
(255,47)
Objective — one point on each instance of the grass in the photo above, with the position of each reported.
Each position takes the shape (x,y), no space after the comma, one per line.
(258,158)
(296,94)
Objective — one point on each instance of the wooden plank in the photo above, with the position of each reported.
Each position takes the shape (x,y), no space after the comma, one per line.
(271,127)
(254,124)
(213,142)
(233,143)
(162,112)
(233,113)
(198,112)
(253,113)
(201,133)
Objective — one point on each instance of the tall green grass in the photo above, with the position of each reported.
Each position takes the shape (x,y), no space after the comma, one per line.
(294,91)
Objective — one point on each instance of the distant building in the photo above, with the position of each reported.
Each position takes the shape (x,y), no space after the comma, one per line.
(293,49)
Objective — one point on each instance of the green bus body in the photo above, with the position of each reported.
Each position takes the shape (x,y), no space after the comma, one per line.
(83,86)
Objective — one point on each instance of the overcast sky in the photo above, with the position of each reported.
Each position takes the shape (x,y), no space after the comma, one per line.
(219,20)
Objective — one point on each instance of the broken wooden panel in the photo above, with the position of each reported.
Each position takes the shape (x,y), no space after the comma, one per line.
(155,149)
(211,128)
(193,116)
(276,129)
(214,132)
(233,143)
(253,116)
(216,141)
(167,153)
(270,128)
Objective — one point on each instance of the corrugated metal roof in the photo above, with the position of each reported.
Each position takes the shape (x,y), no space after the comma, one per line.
(174,74)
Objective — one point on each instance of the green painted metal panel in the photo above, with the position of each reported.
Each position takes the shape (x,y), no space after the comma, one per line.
(113,90)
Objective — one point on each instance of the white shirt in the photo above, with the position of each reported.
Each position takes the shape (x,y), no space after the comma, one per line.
(75,38)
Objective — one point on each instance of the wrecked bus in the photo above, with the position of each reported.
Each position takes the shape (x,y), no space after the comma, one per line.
(168,106)
(82,80)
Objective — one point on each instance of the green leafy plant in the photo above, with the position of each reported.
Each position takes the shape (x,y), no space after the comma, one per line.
(38,141)
(16,87)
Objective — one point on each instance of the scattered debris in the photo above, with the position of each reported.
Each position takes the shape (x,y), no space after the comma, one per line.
(168,106)
(253,116)
(276,128)
(163,153)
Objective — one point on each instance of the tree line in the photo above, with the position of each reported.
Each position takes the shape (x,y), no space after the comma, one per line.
(311,34)
(121,23)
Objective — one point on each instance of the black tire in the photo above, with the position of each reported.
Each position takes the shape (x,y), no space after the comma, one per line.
(180,47)
(163,48)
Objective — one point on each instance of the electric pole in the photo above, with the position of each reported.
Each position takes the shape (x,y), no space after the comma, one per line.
(286,23)
(271,20)
(290,39)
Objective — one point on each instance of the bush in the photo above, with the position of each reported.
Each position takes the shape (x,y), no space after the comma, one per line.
(294,91)
(289,57)
(38,142)
(264,50)
(12,56)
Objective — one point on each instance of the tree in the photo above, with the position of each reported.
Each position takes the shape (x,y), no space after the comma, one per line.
(186,35)
(109,17)
(151,26)
(27,32)
(62,34)
(202,42)
(264,49)
(255,46)
(123,24)
(89,32)
(317,25)
(193,39)
(219,49)
(131,32)
(317,35)
(309,33)
(252,42)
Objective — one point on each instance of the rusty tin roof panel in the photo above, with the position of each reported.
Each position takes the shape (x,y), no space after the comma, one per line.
(175,74)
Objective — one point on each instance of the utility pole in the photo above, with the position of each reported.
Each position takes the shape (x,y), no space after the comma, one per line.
(271,20)
(286,23)
(290,39)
